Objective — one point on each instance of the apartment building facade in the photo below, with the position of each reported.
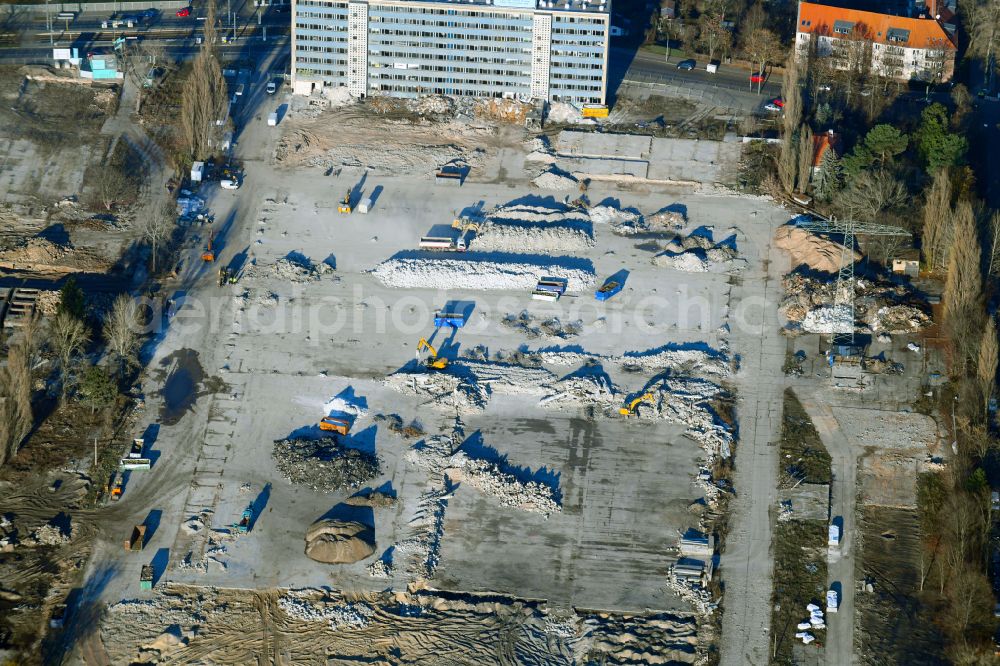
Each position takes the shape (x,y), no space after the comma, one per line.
(898,47)
(556,50)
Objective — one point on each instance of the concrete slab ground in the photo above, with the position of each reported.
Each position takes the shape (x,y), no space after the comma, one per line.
(691,159)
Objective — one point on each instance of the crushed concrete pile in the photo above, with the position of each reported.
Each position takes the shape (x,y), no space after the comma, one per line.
(583,388)
(508,378)
(533,228)
(374,500)
(302,606)
(554,178)
(666,219)
(502,110)
(561,113)
(809,249)
(539,150)
(552,327)
(323,464)
(623,222)
(488,478)
(290,269)
(335,541)
(693,403)
(256,298)
(698,253)
(479,275)
(51,535)
(679,361)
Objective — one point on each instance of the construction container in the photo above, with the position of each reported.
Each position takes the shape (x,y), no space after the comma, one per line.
(452,319)
(146,577)
(365,206)
(197,172)
(272,119)
(137,540)
(607,290)
(595,111)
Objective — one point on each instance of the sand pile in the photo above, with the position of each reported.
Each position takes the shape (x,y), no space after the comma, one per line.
(808,249)
(488,478)
(556,179)
(339,541)
(323,464)
(479,275)
(534,228)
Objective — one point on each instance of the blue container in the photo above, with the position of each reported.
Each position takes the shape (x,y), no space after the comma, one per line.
(607,290)
(443,319)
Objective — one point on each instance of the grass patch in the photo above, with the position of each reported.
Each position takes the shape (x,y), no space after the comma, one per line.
(799,579)
(802,455)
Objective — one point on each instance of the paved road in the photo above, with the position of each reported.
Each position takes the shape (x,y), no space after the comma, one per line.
(840,575)
(643,66)
(747,565)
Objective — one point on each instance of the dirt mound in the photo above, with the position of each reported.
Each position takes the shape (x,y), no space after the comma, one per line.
(808,249)
(339,541)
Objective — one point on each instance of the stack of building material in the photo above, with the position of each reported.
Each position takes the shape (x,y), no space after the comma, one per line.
(20,307)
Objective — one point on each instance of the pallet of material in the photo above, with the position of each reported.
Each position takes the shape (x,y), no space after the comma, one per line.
(448,177)
(20,307)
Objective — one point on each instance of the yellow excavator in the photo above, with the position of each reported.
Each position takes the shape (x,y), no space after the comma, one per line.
(344,205)
(629,409)
(464,224)
(434,362)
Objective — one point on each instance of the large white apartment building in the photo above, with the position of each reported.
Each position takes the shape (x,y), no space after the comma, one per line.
(899,47)
(555,50)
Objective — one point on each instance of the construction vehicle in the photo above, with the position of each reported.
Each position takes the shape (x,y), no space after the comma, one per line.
(243,526)
(344,205)
(434,362)
(115,487)
(437,243)
(223,275)
(629,409)
(465,224)
(208,252)
(137,540)
(334,424)
(146,577)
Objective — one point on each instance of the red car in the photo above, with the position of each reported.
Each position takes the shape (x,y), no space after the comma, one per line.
(778,102)
(756,78)
(184,13)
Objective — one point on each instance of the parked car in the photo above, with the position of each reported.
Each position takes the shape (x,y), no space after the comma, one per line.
(272,87)
(184,12)
(824,87)
(778,102)
(772,107)
(230,183)
(757,78)
(687,65)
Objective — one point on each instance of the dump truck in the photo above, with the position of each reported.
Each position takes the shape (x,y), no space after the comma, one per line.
(344,205)
(832,601)
(137,540)
(243,526)
(833,538)
(134,459)
(333,424)
(146,577)
(629,409)
(208,252)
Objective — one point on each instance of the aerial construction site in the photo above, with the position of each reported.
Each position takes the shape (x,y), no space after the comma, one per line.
(480,393)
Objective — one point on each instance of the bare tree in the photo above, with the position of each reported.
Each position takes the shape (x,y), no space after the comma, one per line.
(121,330)
(993,257)
(791,134)
(68,337)
(805,161)
(986,366)
(871,194)
(16,417)
(762,48)
(963,287)
(155,228)
(712,36)
(203,103)
(937,211)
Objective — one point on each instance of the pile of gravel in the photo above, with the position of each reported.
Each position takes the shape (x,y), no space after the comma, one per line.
(324,464)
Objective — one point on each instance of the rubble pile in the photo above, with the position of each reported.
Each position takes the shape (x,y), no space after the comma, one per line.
(550,328)
(520,228)
(446,390)
(811,305)
(480,275)
(323,464)
(828,319)
(336,614)
(622,221)
(554,178)
(665,219)
(51,535)
(592,388)
(487,477)
(689,402)
(698,253)
(290,269)
(808,249)
(897,319)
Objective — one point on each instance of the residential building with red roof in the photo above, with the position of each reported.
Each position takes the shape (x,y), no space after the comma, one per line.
(898,47)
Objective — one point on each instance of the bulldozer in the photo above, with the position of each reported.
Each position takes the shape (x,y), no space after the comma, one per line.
(344,205)
(434,362)
(465,224)
(208,252)
(629,409)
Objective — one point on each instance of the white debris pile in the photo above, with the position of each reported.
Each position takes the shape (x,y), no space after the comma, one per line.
(51,535)
(380,569)
(561,113)
(488,478)
(551,328)
(583,388)
(689,262)
(555,179)
(689,402)
(829,319)
(692,592)
(197,523)
(291,269)
(478,275)
(509,378)
(350,405)
(683,361)
(622,221)
(665,219)
(256,298)
(538,228)
(422,550)
(443,389)
(340,615)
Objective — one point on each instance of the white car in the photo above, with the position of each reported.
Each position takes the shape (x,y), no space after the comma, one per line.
(230,183)
(272,87)
(824,87)
(772,107)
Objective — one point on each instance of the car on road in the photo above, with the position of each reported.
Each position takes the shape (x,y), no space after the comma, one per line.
(772,107)
(272,87)
(778,102)
(184,12)
(757,78)
(687,65)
